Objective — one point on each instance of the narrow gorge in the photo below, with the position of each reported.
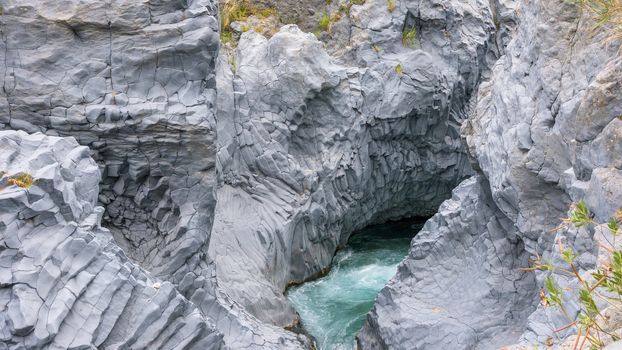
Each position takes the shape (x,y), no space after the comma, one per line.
(189,174)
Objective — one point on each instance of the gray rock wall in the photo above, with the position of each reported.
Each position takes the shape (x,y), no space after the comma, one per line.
(460,286)
(543,134)
(64,283)
(314,140)
(313,147)
(134,81)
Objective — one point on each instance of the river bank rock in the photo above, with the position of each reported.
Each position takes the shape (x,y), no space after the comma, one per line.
(64,283)
(312,147)
(542,135)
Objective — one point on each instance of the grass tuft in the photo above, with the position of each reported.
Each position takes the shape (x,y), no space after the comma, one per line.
(391,4)
(239,10)
(409,37)
(606,13)
(324,22)
(399,69)
(22,179)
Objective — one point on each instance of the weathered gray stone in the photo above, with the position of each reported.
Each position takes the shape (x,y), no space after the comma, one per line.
(134,81)
(65,284)
(312,148)
(543,133)
(460,287)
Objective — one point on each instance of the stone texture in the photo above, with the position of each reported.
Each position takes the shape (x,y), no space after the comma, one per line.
(312,147)
(314,140)
(134,81)
(543,134)
(459,287)
(64,283)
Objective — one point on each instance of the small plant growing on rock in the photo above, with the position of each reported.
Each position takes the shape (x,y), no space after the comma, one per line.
(239,10)
(399,69)
(409,37)
(599,295)
(324,22)
(22,179)
(391,4)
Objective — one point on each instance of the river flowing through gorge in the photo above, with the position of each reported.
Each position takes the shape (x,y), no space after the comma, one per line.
(333,308)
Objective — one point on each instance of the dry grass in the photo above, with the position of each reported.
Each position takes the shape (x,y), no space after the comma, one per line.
(23,180)
(391,4)
(239,10)
(606,13)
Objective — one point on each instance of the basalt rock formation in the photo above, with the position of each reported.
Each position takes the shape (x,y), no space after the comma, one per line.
(312,148)
(64,282)
(544,133)
(182,186)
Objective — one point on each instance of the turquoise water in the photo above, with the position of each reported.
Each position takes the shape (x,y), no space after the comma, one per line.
(333,308)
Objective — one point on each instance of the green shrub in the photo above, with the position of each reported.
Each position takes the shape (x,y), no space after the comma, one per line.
(409,37)
(605,289)
(324,22)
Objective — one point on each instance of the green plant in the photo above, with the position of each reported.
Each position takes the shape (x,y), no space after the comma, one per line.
(324,22)
(606,13)
(409,37)
(399,69)
(233,64)
(357,2)
(604,289)
(239,10)
(391,4)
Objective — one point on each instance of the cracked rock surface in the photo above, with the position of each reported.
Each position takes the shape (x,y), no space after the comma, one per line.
(64,283)
(312,147)
(223,177)
(134,81)
(544,133)
(460,286)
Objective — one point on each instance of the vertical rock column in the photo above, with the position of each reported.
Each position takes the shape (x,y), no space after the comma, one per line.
(64,283)
(134,81)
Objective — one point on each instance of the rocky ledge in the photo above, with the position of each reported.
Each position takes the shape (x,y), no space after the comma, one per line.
(223,176)
(545,132)
(64,283)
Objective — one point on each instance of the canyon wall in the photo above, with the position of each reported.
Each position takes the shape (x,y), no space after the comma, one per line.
(64,282)
(221,176)
(544,133)
(135,81)
(314,147)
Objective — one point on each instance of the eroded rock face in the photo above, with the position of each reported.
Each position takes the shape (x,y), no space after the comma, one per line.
(460,286)
(543,134)
(134,81)
(312,148)
(64,283)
